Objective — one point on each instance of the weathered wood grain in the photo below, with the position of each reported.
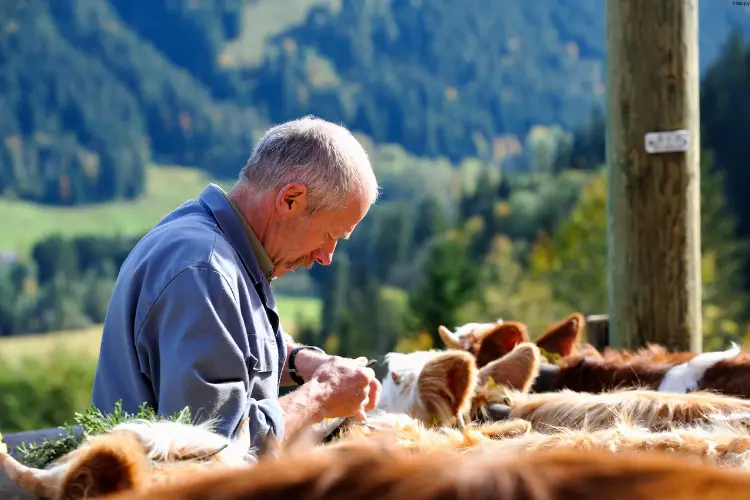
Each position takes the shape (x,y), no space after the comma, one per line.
(653,200)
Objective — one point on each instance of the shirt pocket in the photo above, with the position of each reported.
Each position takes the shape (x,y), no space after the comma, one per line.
(265,354)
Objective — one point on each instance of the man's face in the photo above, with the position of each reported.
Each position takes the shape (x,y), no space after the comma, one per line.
(308,239)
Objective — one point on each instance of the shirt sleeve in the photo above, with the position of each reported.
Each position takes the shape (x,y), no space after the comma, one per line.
(195,330)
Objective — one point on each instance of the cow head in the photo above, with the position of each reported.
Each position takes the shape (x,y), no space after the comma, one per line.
(517,370)
(466,336)
(486,341)
(434,387)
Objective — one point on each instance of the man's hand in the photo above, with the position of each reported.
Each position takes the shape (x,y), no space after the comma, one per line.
(339,387)
(345,387)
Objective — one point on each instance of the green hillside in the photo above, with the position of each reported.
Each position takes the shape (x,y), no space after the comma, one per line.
(25,223)
(118,84)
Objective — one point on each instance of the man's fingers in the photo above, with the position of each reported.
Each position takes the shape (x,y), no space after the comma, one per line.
(374,396)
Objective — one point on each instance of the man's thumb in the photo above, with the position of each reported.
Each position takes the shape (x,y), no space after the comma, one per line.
(362,360)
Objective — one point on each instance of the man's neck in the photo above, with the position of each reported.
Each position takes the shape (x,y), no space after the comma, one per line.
(257,217)
(255,211)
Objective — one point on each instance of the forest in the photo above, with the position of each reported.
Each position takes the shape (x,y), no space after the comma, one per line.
(484,121)
(490,151)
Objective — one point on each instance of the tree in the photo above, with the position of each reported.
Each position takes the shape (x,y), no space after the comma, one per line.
(448,281)
(335,292)
(573,259)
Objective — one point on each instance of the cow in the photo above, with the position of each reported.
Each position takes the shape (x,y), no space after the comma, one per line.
(566,366)
(490,341)
(374,470)
(115,460)
(446,388)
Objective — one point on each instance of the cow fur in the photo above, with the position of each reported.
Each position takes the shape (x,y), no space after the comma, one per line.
(723,443)
(651,409)
(726,372)
(136,452)
(121,459)
(370,470)
(718,441)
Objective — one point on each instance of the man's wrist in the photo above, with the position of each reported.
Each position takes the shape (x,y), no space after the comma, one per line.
(303,361)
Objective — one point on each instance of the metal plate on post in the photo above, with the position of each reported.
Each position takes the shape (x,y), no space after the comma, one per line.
(673,141)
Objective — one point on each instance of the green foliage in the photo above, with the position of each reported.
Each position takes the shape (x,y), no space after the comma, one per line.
(573,260)
(117,82)
(551,357)
(447,282)
(725,111)
(438,97)
(26,223)
(93,422)
(101,102)
(38,392)
(509,290)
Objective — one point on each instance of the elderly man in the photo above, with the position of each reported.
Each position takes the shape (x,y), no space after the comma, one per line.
(192,319)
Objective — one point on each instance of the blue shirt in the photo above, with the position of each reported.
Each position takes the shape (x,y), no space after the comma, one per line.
(192,322)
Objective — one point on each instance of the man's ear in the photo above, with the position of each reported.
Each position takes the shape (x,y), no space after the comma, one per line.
(561,338)
(292,199)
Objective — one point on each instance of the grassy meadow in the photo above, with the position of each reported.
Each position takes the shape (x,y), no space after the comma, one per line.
(248,48)
(167,187)
(86,342)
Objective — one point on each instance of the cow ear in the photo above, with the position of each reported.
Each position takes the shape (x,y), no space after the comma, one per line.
(501,341)
(112,463)
(447,381)
(516,370)
(561,339)
(449,338)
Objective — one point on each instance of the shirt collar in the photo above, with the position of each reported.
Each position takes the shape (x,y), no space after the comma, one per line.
(239,232)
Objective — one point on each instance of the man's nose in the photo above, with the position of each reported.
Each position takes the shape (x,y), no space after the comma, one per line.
(324,254)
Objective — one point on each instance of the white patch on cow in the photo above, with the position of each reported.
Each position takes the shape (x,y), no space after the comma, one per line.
(463,333)
(167,441)
(685,377)
(403,396)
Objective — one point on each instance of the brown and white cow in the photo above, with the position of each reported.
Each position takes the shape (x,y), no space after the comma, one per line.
(135,452)
(445,388)
(587,370)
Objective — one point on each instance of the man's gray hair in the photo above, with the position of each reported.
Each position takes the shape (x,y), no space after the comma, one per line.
(323,156)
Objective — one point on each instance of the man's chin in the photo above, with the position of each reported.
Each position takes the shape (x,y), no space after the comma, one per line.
(289,269)
(278,273)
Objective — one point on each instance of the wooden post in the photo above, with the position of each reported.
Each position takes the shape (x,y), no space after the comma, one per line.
(653,203)
(597,331)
